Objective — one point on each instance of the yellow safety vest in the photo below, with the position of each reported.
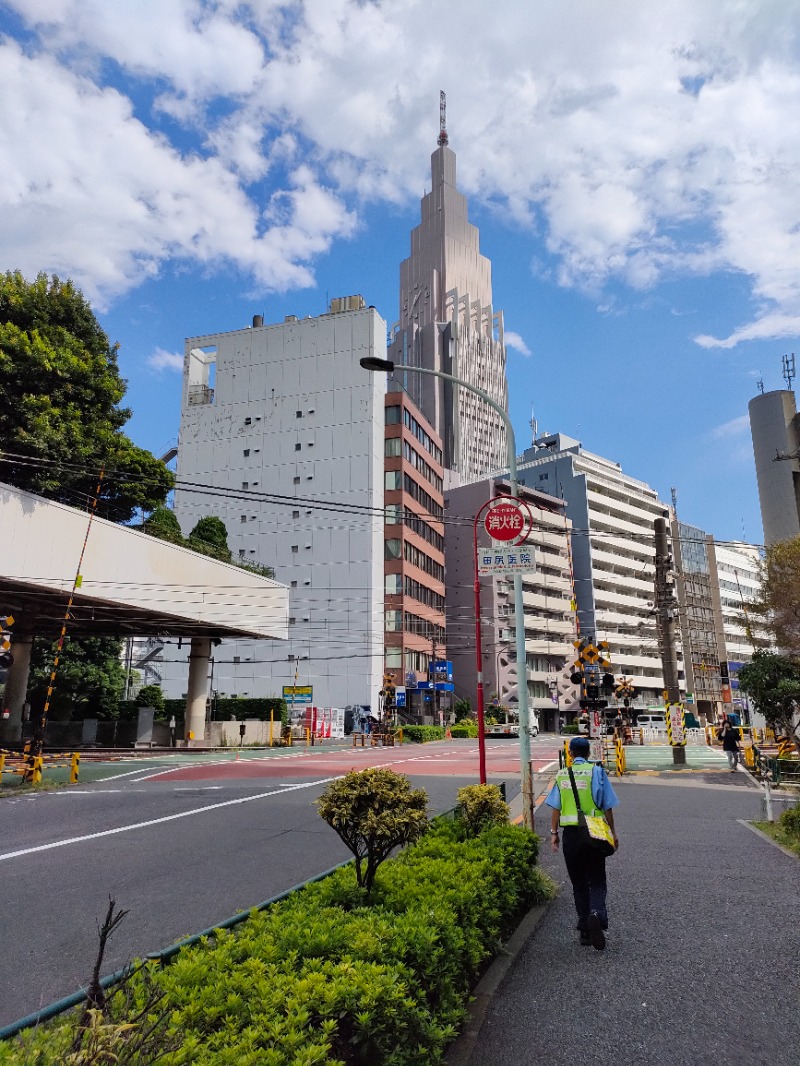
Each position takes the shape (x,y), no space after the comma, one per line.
(583,782)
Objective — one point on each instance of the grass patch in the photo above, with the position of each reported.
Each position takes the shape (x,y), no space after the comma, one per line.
(776,832)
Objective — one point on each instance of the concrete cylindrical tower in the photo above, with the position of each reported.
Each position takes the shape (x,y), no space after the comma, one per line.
(772,425)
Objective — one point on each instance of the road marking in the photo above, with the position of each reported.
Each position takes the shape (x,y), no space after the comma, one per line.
(196,788)
(115,777)
(159,821)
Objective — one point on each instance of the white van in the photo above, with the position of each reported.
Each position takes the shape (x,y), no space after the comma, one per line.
(651,721)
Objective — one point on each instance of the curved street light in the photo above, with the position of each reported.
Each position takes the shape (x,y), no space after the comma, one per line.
(386,366)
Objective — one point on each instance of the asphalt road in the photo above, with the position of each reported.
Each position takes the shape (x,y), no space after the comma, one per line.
(180,854)
(701,962)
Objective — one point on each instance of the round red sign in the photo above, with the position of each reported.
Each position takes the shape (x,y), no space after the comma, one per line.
(506,521)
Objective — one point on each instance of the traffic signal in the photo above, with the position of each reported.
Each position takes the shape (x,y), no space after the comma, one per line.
(608,683)
(576,678)
(388,690)
(6,658)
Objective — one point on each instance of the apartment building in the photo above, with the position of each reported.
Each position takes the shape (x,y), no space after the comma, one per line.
(413,551)
(547,598)
(613,554)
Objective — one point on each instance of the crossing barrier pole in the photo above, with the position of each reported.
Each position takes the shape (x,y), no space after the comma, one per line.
(74,768)
(2,766)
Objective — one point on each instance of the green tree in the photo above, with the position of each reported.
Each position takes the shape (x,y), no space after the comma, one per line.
(61,417)
(89,681)
(779,603)
(374,811)
(210,537)
(462,709)
(163,524)
(150,696)
(773,683)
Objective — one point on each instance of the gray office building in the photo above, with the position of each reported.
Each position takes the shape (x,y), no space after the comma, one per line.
(776,447)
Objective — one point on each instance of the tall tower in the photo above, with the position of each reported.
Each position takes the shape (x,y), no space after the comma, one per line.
(447,323)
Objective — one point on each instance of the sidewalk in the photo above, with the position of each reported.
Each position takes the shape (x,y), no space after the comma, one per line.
(701,962)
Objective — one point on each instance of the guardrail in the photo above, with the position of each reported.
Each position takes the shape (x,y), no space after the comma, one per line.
(31,770)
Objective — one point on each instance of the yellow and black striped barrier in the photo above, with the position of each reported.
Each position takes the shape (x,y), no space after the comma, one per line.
(32,771)
(619,752)
(785,747)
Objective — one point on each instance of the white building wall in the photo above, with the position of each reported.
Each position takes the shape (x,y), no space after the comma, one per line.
(739,576)
(294,431)
(613,551)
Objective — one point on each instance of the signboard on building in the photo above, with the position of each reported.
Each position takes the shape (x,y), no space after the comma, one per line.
(298,695)
(506,561)
(400,696)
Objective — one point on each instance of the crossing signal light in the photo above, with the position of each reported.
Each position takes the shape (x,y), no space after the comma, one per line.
(576,678)
(608,683)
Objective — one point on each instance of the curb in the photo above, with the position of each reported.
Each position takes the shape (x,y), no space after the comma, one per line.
(460,1051)
(765,836)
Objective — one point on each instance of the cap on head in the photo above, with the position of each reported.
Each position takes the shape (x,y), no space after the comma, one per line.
(579,746)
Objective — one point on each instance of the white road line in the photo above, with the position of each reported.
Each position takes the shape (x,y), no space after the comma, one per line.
(115,777)
(159,821)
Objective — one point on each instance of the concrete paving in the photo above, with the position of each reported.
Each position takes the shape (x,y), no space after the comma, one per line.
(701,965)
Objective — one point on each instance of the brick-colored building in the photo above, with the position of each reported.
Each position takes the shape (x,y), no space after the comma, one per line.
(414,615)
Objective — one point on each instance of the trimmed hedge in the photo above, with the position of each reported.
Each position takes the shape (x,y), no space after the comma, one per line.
(464,729)
(419,734)
(224,709)
(320,978)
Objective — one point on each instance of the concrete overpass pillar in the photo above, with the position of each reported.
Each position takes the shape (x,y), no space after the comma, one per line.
(16,689)
(195,717)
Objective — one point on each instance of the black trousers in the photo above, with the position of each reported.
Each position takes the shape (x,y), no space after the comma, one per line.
(587,872)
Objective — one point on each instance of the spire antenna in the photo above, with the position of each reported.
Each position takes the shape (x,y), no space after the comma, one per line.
(442,120)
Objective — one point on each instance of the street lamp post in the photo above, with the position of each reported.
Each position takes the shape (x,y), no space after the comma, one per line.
(387,366)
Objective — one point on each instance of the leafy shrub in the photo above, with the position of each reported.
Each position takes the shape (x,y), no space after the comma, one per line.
(420,734)
(374,811)
(570,729)
(464,729)
(322,980)
(790,821)
(481,807)
(150,696)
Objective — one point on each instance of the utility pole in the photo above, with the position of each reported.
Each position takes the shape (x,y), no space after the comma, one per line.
(433,675)
(666,613)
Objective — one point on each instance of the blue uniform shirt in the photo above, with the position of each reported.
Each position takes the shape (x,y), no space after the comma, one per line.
(603,792)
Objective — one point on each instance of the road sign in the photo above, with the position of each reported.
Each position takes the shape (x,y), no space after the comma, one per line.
(298,695)
(508,518)
(506,561)
(400,696)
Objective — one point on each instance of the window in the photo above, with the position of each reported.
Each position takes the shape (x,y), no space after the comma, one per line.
(245,484)
(236,659)
(393,446)
(241,553)
(393,621)
(246,452)
(243,518)
(393,415)
(297,481)
(297,447)
(392,549)
(292,620)
(248,421)
(298,414)
(293,585)
(392,479)
(295,549)
(295,514)
(393,584)
(393,513)
(394,658)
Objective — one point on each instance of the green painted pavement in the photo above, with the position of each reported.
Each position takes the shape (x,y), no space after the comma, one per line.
(659,757)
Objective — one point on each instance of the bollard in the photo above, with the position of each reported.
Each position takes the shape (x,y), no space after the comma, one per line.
(74,768)
(567,756)
(271,721)
(2,765)
(620,757)
(38,763)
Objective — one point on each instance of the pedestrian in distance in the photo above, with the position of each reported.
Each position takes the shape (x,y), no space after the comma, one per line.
(729,735)
(586,865)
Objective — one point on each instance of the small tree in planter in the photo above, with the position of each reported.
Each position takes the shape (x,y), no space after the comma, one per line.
(150,696)
(374,811)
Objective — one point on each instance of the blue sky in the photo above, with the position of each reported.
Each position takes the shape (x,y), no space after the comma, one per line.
(633,172)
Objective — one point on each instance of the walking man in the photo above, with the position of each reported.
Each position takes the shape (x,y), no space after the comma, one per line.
(585,865)
(729,736)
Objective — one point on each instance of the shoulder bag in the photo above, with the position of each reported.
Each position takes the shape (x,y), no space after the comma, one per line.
(594,829)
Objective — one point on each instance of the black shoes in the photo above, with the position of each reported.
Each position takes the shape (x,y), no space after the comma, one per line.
(597,937)
(585,939)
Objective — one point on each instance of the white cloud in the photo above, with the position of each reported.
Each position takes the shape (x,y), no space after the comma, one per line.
(162,360)
(734,428)
(626,146)
(513,340)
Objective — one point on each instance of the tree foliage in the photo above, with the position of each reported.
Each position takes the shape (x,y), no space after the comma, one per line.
(482,806)
(374,811)
(779,603)
(210,537)
(773,683)
(61,417)
(150,696)
(89,681)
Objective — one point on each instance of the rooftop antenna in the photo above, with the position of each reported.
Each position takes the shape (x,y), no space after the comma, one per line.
(443,141)
(674,493)
(534,426)
(760,384)
(788,370)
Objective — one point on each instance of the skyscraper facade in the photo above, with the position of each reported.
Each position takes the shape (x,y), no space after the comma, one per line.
(448,323)
(776,448)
